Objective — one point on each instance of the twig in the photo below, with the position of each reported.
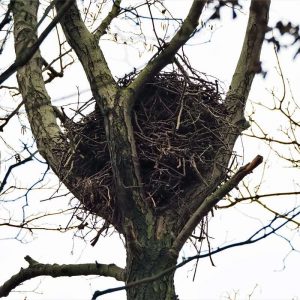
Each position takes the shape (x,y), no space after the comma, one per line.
(7,18)
(29,158)
(14,112)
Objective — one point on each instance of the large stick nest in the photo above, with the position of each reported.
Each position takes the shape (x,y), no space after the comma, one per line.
(177,125)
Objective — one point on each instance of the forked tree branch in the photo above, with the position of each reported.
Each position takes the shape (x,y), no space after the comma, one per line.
(166,56)
(210,201)
(17,164)
(36,269)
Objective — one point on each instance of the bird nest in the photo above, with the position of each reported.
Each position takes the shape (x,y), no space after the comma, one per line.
(177,124)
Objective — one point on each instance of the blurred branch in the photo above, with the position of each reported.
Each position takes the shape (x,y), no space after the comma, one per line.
(7,18)
(52,72)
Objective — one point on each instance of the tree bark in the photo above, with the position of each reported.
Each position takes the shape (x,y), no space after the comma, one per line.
(152,260)
(161,289)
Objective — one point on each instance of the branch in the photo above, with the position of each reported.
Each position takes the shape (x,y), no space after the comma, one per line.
(36,269)
(259,235)
(211,201)
(101,30)
(165,57)
(26,222)
(249,61)
(52,72)
(6,119)
(86,47)
(258,196)
(7,18)
(27,52)
(37,101)
(21,162)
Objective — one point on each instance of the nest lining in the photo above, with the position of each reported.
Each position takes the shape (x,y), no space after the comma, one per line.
(177,124)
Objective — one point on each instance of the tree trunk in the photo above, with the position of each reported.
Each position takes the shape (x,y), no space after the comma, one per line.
(151,261)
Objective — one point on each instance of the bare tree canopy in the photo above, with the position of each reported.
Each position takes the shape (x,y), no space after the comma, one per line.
(151,154)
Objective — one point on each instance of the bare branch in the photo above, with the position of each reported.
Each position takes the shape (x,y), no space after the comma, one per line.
(21,162)
(277,213)
(101,30)
(211,201)
(7,18)
(7,118)
(28,223)
(249,61)
(27,52)
(89,53)
(36,269)
(167,54)
(255,197)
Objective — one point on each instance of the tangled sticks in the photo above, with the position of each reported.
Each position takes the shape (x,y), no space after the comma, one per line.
(177,129)
(176,121)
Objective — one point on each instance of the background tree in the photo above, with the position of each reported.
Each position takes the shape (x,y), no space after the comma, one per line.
(150,153)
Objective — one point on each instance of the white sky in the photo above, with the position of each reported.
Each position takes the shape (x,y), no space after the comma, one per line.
(257,267)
